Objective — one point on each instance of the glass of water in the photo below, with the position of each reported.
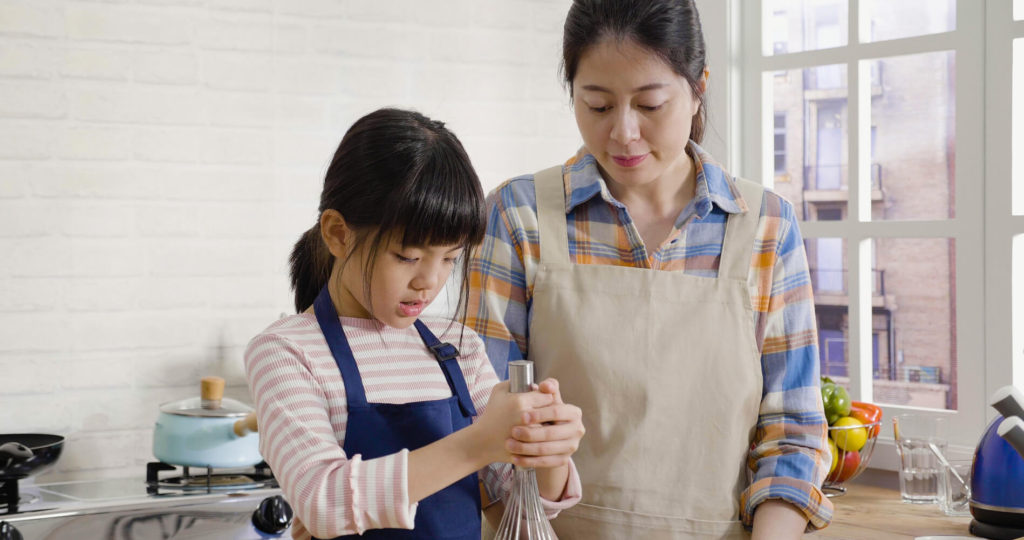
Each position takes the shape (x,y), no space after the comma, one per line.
(918,437)
(955,487)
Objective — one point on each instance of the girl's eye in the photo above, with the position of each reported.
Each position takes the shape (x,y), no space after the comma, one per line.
(405,259)
(450,260)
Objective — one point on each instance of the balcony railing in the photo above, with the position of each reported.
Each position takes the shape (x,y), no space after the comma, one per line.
(833,281)
(834,177)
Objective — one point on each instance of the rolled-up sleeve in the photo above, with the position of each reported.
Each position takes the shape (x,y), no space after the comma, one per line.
(790,457)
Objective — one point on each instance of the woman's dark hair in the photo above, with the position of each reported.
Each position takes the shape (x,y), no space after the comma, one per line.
(668,28)
(395,173)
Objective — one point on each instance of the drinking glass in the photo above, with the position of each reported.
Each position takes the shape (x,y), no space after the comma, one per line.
(918,437)
(955,489)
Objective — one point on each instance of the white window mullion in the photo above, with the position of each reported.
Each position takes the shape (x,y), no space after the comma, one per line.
(859,209)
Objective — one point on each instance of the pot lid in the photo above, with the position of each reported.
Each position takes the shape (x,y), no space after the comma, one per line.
(210,404)
(195,406)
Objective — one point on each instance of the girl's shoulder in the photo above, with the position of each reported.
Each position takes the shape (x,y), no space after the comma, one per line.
(454,332)
(291,328)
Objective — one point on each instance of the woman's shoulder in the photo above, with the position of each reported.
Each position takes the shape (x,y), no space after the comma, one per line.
(514,194)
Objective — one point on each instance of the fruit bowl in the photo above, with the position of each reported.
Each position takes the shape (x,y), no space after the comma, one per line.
(851,444)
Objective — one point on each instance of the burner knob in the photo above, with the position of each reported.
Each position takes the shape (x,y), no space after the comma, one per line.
(8,532)
(273,515)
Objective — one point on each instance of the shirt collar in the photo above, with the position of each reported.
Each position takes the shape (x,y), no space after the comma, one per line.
(715,187)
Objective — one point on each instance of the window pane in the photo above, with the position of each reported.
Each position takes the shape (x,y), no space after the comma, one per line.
(914,322)
(1018,10)
(813,103)
(826,259)
(804,25)
(907,18)
(913,155)
(1017,135)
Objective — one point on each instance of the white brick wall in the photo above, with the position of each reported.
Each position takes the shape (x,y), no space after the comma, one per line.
(159,157)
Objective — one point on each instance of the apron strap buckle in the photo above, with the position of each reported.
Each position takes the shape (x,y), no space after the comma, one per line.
(444,351)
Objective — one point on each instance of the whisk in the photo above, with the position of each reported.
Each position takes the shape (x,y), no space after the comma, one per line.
(524,517)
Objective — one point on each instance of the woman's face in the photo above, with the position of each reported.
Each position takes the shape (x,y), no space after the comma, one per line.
(405,281)
(634,112)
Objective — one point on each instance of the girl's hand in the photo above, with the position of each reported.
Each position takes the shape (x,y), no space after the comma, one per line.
(549,434)
(504,411)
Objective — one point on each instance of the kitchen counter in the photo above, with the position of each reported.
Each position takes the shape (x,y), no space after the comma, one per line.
(873,512)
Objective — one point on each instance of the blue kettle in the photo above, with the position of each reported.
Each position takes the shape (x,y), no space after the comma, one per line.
(997,477)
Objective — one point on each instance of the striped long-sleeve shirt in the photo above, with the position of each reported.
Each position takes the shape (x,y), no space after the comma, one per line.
(789,457)
(302,408)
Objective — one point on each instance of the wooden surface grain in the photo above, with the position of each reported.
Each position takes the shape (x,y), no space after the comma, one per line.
(867,512)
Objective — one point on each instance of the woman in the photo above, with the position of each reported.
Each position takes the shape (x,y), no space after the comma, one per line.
(671,300)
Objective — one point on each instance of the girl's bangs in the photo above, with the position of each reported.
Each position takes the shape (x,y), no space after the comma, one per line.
(442,204)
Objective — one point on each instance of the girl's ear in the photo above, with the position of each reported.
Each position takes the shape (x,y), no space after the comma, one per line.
(336,233)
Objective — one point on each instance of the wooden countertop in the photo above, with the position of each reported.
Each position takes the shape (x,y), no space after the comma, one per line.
(876,513)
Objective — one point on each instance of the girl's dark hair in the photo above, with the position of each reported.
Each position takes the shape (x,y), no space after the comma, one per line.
(395,172)
(668,28)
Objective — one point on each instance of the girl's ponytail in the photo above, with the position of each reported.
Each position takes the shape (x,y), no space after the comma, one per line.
(311,267)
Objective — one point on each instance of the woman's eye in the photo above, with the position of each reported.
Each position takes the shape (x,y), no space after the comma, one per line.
(650,107)
(599,109)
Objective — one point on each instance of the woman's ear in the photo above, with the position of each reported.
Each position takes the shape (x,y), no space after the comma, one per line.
(336,233)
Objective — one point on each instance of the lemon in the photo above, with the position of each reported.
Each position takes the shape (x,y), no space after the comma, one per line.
(852,439)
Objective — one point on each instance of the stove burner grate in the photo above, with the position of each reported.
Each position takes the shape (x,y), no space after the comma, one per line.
(228,479)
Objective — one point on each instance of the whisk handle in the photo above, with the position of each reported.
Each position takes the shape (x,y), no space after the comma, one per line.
(520,376)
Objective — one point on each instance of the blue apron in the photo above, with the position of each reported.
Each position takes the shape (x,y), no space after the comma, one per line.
(379,429)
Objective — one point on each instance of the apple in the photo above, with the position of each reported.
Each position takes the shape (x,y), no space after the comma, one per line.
(848,464)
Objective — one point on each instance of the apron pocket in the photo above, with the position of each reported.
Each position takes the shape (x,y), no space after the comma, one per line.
(585,521)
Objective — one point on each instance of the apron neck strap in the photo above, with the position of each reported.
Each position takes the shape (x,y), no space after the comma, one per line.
(447,356)
(740,230)
(554,240)
(330,326)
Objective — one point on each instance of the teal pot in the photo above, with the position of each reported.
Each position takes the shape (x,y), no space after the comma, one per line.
(207,431)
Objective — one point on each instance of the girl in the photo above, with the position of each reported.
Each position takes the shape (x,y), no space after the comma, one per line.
(371,422)
(672,299)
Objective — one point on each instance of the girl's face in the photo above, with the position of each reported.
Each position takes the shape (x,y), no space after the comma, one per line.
(404,281)
(633,111)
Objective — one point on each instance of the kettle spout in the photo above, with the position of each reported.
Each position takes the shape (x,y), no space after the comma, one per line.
(1012,430)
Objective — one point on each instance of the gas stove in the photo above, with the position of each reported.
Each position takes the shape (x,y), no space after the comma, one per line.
(170,503)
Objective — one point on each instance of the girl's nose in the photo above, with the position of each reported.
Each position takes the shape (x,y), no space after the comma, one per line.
(625,128)
(425,280)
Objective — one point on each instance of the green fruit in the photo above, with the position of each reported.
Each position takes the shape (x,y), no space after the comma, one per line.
(835,399)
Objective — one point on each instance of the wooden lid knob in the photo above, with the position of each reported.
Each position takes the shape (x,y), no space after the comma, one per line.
(211,389)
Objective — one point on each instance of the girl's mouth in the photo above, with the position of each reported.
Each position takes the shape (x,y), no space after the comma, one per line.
(412,309)
(629,161)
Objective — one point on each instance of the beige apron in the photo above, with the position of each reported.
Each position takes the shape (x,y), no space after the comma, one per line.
(667,371)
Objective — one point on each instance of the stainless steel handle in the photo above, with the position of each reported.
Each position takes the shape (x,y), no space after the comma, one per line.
(520,376)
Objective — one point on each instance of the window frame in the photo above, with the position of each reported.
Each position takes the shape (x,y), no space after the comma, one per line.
(980,227)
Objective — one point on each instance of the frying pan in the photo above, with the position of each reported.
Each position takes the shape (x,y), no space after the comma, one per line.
(25,454)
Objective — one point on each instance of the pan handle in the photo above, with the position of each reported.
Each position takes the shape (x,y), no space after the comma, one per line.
(13,453)
(247,425)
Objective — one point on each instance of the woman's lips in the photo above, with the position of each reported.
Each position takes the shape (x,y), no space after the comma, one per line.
(629,161)
(411,309)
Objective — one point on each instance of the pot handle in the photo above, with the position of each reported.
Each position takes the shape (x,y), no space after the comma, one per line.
(246,425)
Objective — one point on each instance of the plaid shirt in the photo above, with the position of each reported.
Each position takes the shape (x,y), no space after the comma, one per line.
(790,457)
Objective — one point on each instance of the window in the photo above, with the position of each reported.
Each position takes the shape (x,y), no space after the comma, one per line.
(780,143)
(883,114)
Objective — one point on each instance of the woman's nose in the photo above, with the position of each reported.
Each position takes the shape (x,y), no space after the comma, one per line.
(625,129)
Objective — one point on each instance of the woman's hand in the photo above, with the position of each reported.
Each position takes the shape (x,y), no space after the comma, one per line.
(549,434)
(504,411)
